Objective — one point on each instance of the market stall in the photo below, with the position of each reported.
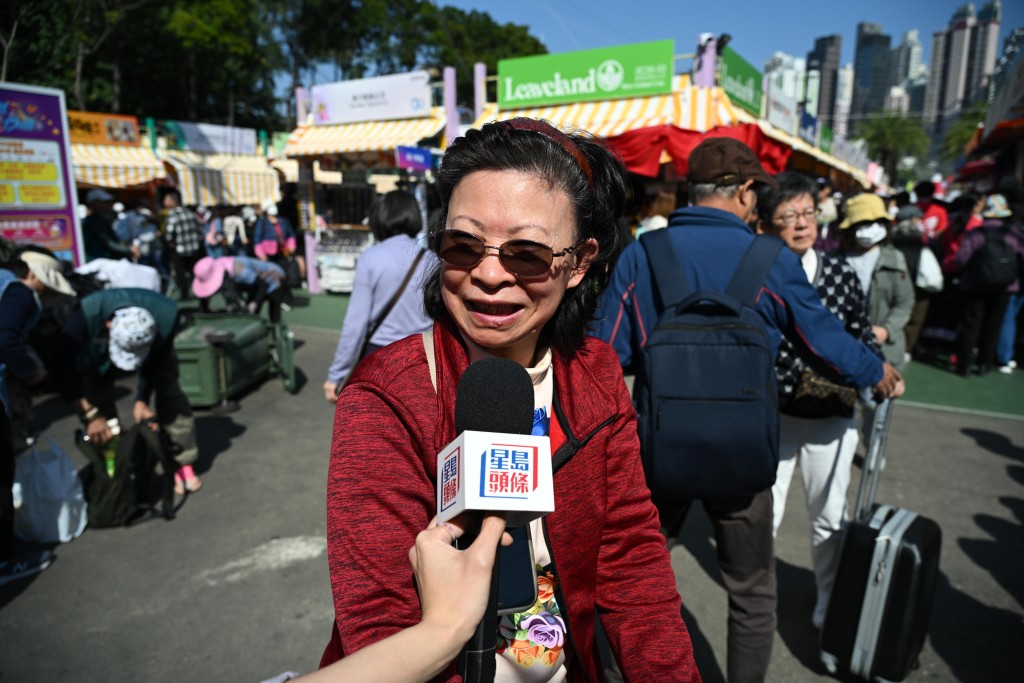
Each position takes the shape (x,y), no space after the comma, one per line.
(107,151)
(218,165)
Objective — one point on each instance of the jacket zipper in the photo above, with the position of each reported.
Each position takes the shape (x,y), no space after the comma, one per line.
(559,458)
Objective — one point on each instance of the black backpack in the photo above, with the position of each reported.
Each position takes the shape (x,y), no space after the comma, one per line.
(995,266)
(126,497)
(706,395)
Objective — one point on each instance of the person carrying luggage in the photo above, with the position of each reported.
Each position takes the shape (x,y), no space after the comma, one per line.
(127,330)
(709,240)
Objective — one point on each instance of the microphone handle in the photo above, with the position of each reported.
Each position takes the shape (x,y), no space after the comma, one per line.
(476,662)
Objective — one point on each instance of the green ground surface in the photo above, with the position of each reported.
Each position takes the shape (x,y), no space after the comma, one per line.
(926,384)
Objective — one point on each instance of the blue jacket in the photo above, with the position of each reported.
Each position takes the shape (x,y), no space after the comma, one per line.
(709,244)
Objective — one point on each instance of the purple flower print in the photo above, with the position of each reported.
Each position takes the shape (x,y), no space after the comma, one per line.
(545,629)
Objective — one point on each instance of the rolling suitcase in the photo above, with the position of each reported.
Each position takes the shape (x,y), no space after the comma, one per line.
(881,600)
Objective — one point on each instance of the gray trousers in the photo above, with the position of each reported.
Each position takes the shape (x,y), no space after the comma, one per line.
(746,556)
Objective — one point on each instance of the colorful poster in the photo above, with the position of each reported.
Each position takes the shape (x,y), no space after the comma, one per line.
(37,191)
(383,98)
(413,158)
(103,129)
(636,70)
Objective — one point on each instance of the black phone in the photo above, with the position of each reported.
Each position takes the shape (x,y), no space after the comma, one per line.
(517,577)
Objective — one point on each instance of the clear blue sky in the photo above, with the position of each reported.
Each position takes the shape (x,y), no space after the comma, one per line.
(758,28)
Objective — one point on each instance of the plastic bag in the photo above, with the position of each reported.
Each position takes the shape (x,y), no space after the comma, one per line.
(53,507)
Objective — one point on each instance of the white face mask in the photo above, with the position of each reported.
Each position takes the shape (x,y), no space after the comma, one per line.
(870,235)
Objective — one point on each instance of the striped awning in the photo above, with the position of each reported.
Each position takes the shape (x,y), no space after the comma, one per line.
(289,168)
(367,136)
(115,166)
(687,107)
(817,153)
(208,178)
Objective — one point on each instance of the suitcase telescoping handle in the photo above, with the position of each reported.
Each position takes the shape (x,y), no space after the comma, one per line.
(874,461)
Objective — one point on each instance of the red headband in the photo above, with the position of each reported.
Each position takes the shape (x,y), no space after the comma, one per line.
(556,136)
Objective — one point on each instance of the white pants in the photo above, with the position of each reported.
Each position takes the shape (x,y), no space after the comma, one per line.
(825,448)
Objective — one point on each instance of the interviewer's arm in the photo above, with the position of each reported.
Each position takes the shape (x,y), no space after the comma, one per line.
(453,587)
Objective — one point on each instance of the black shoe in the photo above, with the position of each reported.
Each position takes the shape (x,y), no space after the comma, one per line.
(983,370)
(24,564)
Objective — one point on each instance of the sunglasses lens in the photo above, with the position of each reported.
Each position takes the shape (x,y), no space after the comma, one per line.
(461,249)
(526,258)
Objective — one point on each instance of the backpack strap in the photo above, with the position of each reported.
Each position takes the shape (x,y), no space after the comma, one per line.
(753,270)
(666,271)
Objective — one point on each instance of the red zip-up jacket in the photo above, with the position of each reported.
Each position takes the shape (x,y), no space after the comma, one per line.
(603,535)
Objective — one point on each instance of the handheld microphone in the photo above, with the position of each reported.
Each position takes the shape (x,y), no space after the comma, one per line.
(494,399)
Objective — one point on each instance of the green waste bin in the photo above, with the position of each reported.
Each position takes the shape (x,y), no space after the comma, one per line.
(220,355)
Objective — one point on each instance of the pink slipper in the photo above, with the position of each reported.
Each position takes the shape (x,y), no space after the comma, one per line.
(186,483)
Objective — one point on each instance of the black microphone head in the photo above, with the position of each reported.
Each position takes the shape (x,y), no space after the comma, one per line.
(495,395)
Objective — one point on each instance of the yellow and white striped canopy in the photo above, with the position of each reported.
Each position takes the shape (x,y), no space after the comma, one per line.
(209,178)
(687,106)
(115,166)
(289,168)
(366,136)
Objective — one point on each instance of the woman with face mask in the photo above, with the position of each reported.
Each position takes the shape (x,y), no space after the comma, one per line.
(881,270)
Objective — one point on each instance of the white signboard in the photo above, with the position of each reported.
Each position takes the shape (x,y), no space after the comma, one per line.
(402,96)
(782,111)
(207,137)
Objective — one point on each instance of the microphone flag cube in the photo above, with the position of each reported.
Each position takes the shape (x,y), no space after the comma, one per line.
(493,472)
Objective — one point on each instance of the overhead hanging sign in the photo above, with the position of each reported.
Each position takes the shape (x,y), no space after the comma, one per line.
(740,81)
(636,70)
(208,137)
(37,191)
(103,129)
(782,112)
(384,98)
(414,158)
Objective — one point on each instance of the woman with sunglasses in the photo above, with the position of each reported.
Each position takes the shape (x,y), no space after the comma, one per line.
(526,230)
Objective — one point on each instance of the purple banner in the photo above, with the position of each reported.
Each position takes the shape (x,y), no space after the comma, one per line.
(37,183)
(413,158)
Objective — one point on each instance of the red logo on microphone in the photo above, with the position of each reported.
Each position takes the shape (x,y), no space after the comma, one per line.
(450,479)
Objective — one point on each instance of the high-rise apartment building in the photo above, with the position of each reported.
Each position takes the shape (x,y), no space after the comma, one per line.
(786,74)
(870,71)
(963,59)
(824,59)
(844,99)
(905,61)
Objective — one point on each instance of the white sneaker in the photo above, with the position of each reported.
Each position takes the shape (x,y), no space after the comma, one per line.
(1006,369)
(1012,364)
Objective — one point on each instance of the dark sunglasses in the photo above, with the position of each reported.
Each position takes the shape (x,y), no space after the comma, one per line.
(519,257)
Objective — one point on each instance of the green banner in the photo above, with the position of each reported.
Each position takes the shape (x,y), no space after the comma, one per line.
(740,81)
(634,70)
(825,139)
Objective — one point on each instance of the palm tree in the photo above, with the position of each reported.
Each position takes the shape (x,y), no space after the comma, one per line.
(891,136)
(962,130)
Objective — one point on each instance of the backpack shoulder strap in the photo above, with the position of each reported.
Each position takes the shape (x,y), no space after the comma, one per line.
(754,267)
(666,271)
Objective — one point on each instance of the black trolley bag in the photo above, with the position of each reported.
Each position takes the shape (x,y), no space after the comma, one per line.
(881,601)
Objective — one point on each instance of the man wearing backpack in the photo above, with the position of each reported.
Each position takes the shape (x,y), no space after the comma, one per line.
(990,259)
(127,330)
(720,391)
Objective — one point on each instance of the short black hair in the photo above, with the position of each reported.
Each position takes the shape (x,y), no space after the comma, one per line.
(925,188)
(791,185)
(592,177)
(396,213)
(16,266)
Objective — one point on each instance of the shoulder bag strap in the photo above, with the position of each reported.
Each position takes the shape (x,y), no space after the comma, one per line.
(666,271)
(753,270)
(391,304)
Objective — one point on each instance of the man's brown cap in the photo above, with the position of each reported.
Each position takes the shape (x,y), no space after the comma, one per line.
(725,161)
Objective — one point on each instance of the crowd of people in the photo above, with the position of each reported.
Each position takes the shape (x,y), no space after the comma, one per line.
(569,295)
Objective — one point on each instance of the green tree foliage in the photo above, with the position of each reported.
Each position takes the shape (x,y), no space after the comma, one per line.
(891,136)
(233,61)
(958,135)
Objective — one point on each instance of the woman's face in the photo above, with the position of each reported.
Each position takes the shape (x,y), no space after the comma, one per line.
(495,309)
(796,223)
